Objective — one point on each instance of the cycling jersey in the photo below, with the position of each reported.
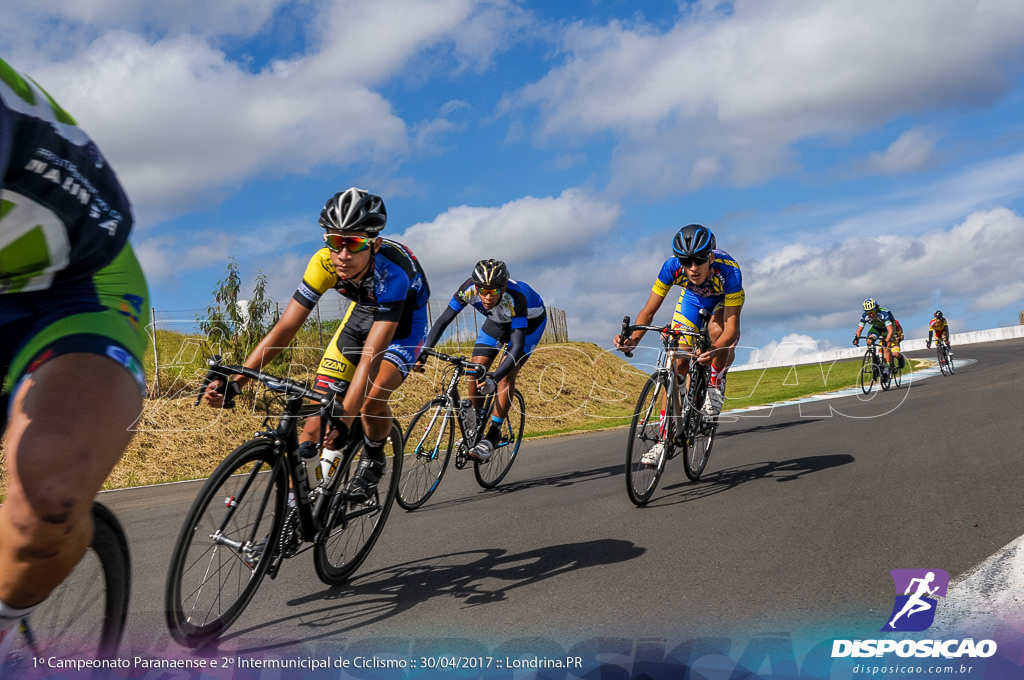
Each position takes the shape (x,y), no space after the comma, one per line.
(883,317)
(395,290)
(69,282)
(722,288)
(520,309)
(520,306)
(938,326)
(63,214)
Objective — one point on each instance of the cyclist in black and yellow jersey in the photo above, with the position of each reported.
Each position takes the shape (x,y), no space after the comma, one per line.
(73,307)
(381,333)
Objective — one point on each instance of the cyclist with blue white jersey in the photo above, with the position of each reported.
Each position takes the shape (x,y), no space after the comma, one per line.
(73,309)
(516,317)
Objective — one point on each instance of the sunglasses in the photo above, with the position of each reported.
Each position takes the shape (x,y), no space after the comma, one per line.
(691,261)
(354,244)
(488,291)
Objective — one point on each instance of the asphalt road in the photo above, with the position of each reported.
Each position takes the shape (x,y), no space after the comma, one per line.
(800,516)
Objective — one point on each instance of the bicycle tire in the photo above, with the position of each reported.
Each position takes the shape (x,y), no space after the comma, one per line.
(425,464)
(897,373)
(85,616)
(351,528)
(490,474)
(866,379)
(940,353)
(698,428)
(949,362)
(210,582)
(644,434)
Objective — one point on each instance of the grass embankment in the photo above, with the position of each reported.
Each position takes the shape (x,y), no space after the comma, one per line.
(571,387)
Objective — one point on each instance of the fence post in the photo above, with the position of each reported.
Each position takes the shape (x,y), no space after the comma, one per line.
(156,357)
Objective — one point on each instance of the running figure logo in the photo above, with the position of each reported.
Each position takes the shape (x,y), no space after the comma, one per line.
(914,609)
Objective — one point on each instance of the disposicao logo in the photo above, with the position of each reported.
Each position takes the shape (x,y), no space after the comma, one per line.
(916,593)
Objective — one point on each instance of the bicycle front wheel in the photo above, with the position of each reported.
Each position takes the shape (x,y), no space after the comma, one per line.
(84,617)
(352,527)
(698,428)
(940,352)
(949,361)
(867,376)
(650,436)
(490,474)
(431,437)
(226,544)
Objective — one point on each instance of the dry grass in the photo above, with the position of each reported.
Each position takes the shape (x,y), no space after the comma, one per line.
(568,388)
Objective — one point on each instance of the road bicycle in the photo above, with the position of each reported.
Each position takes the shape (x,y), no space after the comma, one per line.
(871,369)
(669,417)
(945,356)
(84,617)
(431,436)
(243,525)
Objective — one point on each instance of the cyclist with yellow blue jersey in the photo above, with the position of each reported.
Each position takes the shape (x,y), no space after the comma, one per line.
(381,333)
(73,309)
(516,317)
(711,280)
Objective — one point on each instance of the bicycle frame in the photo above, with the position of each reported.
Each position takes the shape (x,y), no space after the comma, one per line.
(309,499)
(460,367)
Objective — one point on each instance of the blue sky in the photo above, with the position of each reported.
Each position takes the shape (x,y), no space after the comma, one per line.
(839,150)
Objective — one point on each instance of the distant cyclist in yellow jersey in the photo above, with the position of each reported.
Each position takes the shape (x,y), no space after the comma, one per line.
(710,279)
(380,336)
(939,328)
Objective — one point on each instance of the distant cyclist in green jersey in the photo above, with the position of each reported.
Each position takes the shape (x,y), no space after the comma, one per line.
(73,304)
(710,280)
(881,325)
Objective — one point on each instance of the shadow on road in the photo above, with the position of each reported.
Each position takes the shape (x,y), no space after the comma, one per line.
(729,478)
(475,577)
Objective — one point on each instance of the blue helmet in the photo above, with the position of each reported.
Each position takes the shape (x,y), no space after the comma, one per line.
(693,240)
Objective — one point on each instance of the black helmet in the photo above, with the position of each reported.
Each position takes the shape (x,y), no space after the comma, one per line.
(490,274)
(938,313)
(354,210)
(693,240)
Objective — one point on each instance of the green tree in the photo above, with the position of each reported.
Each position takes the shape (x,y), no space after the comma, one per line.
(234,327)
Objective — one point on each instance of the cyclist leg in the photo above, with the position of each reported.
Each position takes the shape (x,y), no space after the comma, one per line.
(375,411)
(76,387)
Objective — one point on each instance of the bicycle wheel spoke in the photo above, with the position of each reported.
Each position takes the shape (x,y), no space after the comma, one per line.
(226,544)
(649,437)
(431,437)
(490,474)
(355,526)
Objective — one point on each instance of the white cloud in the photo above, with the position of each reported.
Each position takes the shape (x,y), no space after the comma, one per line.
(520,232)
(736,87)
(912,150)
(185,124)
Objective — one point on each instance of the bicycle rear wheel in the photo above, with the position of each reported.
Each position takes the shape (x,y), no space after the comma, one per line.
(84,617)
(352,527)
(490,474)
(867,376)
(949,361)
(226,544)
(431,438)
(646,431)
(897,373)
(940,352)
(698,428)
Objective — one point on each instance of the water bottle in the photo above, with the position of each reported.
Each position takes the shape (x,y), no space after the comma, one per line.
(329,461)
(468,414)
